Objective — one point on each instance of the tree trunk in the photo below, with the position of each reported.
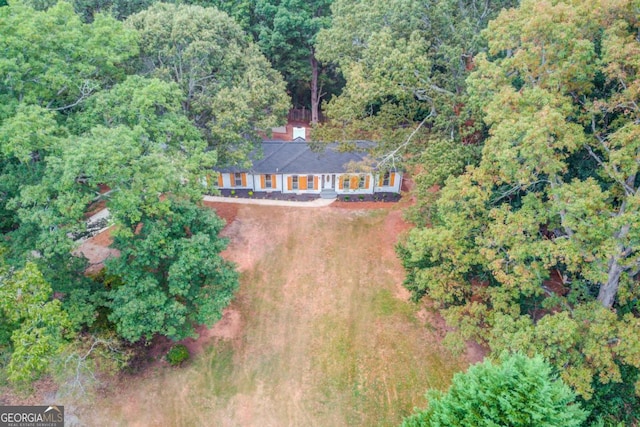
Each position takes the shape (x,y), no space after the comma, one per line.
(608,291)
(315,91)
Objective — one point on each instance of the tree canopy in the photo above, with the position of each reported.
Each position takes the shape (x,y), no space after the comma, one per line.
(132,117)
(535,249)
(525,114)
(405,63)
(517,391)
(174,277)
(37,326)
(230,90)
(286,31)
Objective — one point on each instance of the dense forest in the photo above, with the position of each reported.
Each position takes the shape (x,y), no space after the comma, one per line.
(518,120)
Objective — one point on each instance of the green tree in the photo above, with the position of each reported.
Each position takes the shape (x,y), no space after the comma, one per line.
(286,31)
(536,249)
(137,141)
(53,64)
(230,90)
(119,9)
(242,11)
(71,122)
(89,9)
(173,276)
(517,392)
(405,63)
(53,60)
(39,326)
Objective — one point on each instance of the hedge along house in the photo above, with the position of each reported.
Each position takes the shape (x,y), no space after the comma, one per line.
(294,168)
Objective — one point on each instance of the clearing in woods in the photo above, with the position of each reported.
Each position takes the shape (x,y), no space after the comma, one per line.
(319,334)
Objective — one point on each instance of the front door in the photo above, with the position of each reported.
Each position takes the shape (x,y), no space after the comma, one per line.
(328,182)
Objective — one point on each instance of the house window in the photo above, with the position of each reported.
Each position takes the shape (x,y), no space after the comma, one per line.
(310,185)
(345,182)
(386,179)
(267,181)
(237,179)
(362,182)
(294,182)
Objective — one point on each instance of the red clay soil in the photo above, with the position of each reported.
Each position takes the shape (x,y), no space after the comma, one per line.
(96,250)
(103,239)
(94,208)
(226,211)
(228,327)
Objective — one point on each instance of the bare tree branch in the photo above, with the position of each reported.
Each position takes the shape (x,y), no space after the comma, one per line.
(629,190)
(391,157)
(86,90)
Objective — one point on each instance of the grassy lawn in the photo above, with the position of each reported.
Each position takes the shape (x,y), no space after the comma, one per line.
(327,338)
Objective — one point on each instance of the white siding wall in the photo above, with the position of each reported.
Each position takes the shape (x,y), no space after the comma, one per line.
(228,181)
(280,183)
(276,183)
(395,183)
(346,190)
(287,177)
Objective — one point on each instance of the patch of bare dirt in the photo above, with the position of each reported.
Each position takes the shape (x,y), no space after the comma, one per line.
(97,250)
(44,393)
(228,327)
(248,247)
(226,211)
(94,208)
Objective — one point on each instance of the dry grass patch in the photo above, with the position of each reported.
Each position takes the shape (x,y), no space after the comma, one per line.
(325,339)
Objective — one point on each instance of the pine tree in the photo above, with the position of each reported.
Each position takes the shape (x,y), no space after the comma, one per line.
(518,391)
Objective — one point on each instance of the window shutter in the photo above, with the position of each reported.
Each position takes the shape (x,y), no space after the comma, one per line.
(380,180)
(289,183)
(244,179)
(303,182)
(366,181)
(340,182)
(392,176)
(220,181)
(315,182)
(274,183)
(353,184)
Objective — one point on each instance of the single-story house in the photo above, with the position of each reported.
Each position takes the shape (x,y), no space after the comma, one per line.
(293,167)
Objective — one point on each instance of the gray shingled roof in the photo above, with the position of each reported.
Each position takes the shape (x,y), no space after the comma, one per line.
(297,157)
